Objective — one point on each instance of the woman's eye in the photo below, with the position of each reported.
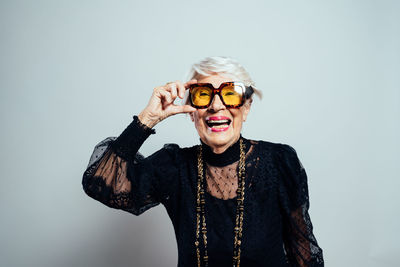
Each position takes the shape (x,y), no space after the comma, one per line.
(229,93)
(204,94)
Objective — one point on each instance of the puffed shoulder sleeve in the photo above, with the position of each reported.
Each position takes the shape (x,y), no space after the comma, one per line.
(120,177)
(300,243)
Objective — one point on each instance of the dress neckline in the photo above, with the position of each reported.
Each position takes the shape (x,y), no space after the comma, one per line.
(229,156)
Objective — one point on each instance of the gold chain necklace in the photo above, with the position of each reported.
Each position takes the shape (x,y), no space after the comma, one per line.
(200,209)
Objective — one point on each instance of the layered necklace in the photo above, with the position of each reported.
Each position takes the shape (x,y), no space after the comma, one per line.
(200,209)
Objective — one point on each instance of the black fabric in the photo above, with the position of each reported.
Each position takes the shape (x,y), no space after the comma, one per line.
(230,155)
(277,228)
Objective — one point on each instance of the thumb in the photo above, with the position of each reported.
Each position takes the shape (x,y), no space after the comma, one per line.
(182,109)
(188,109)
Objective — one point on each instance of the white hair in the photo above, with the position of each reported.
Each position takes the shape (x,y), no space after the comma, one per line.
(225,66)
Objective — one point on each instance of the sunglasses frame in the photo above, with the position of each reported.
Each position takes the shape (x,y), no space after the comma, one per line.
(247,91)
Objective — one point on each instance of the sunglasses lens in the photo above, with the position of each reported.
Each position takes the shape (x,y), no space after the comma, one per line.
(232,94)
(200,96)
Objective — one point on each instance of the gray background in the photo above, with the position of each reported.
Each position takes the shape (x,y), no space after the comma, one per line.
(74,72)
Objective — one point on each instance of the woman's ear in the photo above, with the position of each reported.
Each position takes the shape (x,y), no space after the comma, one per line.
(191,116)
(246,108)
(249,102)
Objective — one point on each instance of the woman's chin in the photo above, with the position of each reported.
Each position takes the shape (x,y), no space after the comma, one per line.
(217,139)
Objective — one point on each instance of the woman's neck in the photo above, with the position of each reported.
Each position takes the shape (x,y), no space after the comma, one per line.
(226,156)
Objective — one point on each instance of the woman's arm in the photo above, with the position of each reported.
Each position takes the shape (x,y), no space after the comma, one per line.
(300,243)
(119,176)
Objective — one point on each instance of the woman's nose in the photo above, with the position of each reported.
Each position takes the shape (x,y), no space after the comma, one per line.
(216,104)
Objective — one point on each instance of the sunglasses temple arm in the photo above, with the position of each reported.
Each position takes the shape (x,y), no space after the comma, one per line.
(249,91)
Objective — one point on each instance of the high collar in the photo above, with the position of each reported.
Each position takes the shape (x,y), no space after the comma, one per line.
(229,156)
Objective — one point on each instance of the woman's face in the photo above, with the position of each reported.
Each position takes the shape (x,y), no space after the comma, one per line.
(219,137)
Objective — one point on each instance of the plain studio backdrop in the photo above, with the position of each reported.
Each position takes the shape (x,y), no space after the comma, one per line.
(75,72)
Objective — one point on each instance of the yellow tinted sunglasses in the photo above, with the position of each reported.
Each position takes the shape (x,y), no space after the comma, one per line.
(232,94)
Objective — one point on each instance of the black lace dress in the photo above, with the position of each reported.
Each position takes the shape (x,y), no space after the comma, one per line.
(277,230)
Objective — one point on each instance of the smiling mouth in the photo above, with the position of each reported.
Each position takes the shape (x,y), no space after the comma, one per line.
(218,124)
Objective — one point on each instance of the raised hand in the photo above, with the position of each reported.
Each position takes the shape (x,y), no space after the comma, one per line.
(161,104)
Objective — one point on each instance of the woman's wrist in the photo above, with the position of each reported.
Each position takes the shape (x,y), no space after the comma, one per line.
(147,120)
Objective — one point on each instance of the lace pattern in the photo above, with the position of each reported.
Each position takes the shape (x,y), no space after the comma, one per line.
(300,243)
(222,181)
(107,179)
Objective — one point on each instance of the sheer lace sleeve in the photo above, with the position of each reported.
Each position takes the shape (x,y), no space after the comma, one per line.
(120,177)
(300,244)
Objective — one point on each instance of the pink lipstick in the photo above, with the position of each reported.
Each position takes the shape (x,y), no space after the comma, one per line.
(218,123)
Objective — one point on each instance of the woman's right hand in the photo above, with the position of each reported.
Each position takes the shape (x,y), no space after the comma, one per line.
(161,104)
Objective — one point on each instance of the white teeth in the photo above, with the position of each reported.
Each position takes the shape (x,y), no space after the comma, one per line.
(218,121)
(219,126)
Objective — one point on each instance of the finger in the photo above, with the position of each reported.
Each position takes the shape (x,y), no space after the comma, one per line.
(166,96)
(192,81)
(172,88)
(165,93)
(175,109)
(188,109)
(181,89)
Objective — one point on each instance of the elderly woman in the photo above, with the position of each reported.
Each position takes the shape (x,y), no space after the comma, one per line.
(232,201)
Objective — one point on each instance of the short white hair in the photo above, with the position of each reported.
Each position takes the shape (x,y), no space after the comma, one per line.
(225,66)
